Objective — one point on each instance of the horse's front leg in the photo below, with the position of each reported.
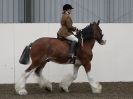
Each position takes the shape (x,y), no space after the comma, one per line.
(40,78)
(68,79)
(96,86)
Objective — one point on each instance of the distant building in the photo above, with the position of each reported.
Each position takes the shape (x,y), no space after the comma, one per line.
(49,11)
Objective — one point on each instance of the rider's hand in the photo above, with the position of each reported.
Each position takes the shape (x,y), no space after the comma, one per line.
(77,30)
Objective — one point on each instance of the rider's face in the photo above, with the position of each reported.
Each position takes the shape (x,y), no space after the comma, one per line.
(69,10)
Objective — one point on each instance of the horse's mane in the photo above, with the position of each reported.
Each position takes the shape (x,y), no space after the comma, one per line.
(86,33)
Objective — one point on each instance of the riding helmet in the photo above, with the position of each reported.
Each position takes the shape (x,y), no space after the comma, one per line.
(67,7)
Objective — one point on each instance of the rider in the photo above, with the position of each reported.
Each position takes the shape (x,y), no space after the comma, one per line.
(67,29)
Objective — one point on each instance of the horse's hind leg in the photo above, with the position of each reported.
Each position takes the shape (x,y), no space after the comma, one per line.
(66,82)
(41,80)
(20,85)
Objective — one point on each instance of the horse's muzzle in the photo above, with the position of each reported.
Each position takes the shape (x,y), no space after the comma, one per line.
(102,42)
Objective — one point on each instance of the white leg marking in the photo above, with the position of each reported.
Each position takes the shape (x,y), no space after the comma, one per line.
(44,82)
(96,86)
(66,82)
(20,85)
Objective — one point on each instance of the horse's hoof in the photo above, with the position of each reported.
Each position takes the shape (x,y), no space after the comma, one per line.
(63,88)
(97,89)
(49,87)
(22,92)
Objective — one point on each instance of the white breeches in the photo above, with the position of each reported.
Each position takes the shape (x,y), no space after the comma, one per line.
(72,38)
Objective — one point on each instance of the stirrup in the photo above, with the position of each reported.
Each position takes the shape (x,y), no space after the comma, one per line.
(71,55)
(72,58)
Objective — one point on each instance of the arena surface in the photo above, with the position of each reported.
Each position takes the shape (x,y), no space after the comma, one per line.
(111,90)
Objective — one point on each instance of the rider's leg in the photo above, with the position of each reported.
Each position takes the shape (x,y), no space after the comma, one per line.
(72,38)
(73,44)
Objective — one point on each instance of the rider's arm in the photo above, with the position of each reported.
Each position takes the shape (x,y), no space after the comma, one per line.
(69,24)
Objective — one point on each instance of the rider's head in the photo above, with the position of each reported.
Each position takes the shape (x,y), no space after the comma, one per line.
(67,7)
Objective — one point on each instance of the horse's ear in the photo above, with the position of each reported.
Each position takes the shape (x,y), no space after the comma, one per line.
(98,22)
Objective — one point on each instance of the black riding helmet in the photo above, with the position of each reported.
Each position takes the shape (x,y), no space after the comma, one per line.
(67,7)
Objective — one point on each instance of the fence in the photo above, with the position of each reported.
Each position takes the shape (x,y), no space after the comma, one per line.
(112,62)
(49,11)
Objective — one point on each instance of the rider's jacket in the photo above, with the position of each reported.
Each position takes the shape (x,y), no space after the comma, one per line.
(66,26)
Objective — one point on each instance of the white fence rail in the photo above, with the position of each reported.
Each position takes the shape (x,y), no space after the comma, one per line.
(111,62)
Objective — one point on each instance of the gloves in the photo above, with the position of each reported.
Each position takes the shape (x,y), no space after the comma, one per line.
(76,29)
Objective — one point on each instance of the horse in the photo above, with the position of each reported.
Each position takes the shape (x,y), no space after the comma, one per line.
(48,49)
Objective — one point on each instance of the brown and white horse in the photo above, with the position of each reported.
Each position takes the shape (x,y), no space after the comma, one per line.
(48,49)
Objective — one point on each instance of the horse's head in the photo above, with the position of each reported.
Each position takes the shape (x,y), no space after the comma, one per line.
(97,32)
(92,32)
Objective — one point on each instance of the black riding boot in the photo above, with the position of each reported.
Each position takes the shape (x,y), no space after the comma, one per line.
(72,49)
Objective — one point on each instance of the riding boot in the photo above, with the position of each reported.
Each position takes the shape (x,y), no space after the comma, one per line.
(72,50)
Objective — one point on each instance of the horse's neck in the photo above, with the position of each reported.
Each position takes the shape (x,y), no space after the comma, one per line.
(90,43)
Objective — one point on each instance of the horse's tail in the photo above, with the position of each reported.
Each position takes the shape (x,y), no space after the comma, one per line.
(25,57)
